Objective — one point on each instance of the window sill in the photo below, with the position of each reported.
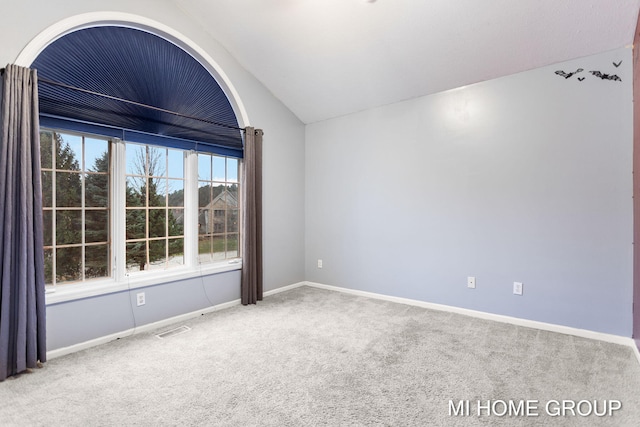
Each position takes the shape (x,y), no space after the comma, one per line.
(70,292)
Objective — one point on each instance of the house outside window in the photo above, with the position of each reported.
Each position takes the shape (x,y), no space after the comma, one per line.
(219,210)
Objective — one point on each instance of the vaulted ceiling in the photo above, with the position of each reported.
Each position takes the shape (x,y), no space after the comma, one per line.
(327,58)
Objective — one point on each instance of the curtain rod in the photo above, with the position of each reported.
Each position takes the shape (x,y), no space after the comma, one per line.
(139,104)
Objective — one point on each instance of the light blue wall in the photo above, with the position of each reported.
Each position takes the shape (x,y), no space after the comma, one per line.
(77,321)
(283,181)
(524,178)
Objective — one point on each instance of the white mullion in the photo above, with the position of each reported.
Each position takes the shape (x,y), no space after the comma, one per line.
(166,208)
(240,206)
(146,204)
(190,229)
(226,208)
(118,202)
(54,254)
(82,209)
(240,173)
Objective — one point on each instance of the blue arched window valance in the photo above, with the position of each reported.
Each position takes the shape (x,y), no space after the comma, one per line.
(147,70)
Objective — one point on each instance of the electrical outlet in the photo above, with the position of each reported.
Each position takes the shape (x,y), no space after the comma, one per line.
(517,288)
(471,282)
(319,263)
(140,299)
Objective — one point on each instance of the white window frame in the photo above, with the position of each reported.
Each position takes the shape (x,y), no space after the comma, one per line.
(120,279)
(55,208)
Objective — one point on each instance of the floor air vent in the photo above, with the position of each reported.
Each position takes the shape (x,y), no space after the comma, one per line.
(172,332)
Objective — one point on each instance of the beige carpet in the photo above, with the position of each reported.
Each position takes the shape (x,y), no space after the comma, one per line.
(311,357)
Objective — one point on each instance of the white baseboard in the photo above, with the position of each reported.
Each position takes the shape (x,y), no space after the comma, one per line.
(584,333)
(284,288)
(635,349)
(59,352)
(616,339)
(183,317)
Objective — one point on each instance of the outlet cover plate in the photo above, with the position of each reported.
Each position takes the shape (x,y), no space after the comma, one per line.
(140,299)
(471,282)
(517,288)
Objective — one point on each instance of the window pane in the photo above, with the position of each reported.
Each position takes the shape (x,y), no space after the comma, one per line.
(219,172)
(68,189)
(204,194)
(205,221)
(157,223)
(96,191)
(176,164)
(96,262)
(136,192)
(96,226)
(96,155)
(232,170)
(159,189)
(47,189)
(176,192)
(204,244)
(81,169)
(69,153)
(136,159)
(218,196)
(218,247)
(157,162)
(219,214)
(205,258)
(204,167)
(157,253)
(136,220)
(48,266)
(176,222)
(232,221)
(232,246)
(46,160)
(47,225)
(68,227)
(232,196)
(157,192)
(68,264)
(136,256)
(176,251)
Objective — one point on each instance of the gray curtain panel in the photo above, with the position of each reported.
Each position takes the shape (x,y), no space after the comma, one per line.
(251,286)
(22,303)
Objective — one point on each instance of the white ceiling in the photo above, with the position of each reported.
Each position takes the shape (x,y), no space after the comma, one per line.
(327,58)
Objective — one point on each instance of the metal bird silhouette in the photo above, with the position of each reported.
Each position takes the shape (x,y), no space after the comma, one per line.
(567,75)
(604,76)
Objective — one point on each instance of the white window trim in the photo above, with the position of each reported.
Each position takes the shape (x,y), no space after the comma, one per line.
(120,280)
(97,287)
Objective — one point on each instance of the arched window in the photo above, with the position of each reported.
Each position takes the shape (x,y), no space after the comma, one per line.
(110,76)
(138,144)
